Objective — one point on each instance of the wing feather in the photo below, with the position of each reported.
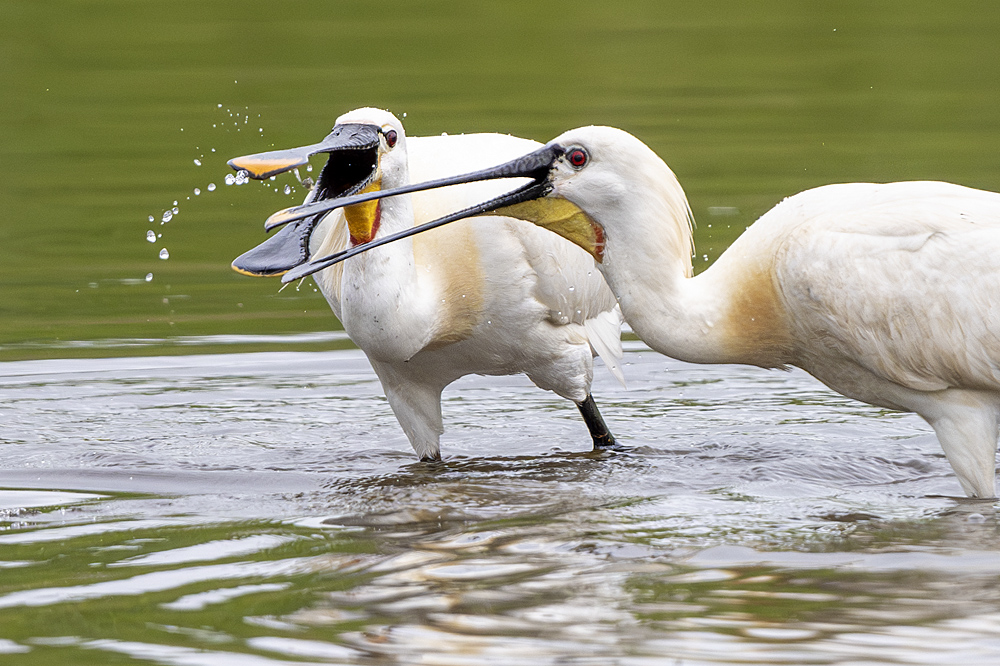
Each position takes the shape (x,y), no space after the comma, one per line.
(906,283)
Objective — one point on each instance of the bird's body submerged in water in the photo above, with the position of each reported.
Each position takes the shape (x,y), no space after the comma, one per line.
(493,296)
(887,293)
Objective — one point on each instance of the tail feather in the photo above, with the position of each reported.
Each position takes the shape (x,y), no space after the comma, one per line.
(605,334)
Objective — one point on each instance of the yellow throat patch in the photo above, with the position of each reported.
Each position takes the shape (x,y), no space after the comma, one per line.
(363,218)
(564,218)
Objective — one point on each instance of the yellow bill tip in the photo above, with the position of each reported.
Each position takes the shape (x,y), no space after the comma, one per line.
(262,166)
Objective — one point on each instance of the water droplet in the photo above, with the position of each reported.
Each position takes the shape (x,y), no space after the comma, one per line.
(168,215)
(197,191)
(260,129)
(175,203)
(197,162)
(219,106)
(164,254)
(149,277)
(175,209)
(152,219)
(213,150)
(151,236)
(211,187)
(288,189)
(309,167)
(214,125)
(230,179)
(572,288)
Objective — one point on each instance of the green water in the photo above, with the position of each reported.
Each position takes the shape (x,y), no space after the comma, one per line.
(105,106)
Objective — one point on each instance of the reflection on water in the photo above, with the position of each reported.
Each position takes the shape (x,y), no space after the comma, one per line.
(266,509)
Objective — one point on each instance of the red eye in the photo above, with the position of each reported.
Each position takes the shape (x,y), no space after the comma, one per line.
(577,157)
(390,138)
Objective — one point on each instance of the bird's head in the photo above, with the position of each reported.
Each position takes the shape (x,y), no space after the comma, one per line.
(577,178)
(378,163)
(366,153)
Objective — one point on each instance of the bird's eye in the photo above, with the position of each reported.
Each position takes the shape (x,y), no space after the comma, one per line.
(578,158)
(390,138)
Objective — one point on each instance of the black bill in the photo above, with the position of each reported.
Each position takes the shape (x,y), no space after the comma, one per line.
(535,165)
(531,165)
(352,164)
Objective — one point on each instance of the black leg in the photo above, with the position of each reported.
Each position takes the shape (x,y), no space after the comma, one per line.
(595,423)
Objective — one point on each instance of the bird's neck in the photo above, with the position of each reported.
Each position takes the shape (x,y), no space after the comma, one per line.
(384,308)
(730,313)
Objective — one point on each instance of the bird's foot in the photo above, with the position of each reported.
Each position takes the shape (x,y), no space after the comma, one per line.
(604,442)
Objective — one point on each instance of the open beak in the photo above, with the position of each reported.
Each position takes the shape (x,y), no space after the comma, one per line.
(352,167)
(536,166)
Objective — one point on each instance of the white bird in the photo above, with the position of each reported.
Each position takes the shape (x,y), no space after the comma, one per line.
(886,293)
(493,296)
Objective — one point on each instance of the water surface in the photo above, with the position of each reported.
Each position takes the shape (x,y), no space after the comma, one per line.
(265,508)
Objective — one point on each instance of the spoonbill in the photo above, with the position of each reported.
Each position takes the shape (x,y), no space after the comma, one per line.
(887,293)
(492,296)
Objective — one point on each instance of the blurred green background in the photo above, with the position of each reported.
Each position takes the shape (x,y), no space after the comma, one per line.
(106,105)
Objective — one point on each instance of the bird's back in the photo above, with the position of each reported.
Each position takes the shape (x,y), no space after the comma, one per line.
(902,279)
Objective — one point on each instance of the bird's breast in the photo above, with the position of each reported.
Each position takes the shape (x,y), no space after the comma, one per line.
(448,265)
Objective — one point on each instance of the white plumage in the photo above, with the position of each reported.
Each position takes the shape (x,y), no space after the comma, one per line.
(889,294)
(492,296)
